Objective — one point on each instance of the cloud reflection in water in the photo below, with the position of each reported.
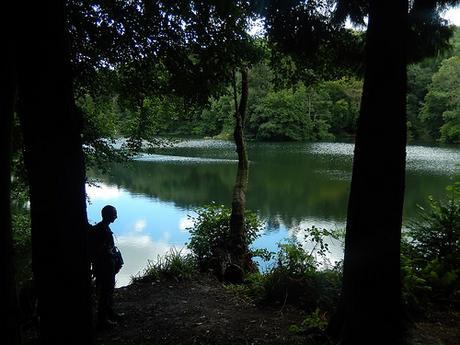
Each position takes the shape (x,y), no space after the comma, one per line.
(137,249)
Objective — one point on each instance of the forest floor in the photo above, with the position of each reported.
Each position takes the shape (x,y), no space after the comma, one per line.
(205,312)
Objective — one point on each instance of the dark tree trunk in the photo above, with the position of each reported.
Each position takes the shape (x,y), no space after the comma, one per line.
(10,328)
(240,251)
(370,311)
(55,165)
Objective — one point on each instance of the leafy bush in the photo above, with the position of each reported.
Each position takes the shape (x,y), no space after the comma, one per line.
(297,277)
(174,265)
(431,253)
(210,233)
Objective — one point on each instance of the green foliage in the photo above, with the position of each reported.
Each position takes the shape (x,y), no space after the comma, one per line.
(424,105)
(101,121)
(441,110)
(293,259)
(418,79)
(431,252)
(345,99)
(251,290)
(210,232)
(193,59)
(317,48)
(295,115)
(174,79)
(20,220)
(174,265)
(436,234)
(217,119)
(317,112)
(317,320)
(296,276)
(155,116)
(21,229)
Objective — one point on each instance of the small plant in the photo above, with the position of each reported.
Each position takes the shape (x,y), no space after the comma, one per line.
(318,237)
(174,265)
(293,259)
(252,287)
(316,321)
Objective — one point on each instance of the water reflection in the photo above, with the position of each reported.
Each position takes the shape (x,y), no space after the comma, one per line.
(291,186)
(145,229)
(102,192)
(137,249)
(180,159)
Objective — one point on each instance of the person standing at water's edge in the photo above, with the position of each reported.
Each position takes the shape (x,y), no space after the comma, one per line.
(104,267)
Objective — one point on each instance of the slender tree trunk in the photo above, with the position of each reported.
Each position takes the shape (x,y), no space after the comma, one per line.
(370,311)
(237,227)
(55,165)
(10,327)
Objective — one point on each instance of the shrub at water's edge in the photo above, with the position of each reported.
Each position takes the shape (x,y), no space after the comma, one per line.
(431,254)
(297,276)
(210,238)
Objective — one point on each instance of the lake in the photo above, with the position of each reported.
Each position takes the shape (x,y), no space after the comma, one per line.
(292,186)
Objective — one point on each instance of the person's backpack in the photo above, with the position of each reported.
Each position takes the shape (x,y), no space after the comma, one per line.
(117,260)
(92,243)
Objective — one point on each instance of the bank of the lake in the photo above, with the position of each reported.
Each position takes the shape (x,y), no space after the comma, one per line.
(292,186)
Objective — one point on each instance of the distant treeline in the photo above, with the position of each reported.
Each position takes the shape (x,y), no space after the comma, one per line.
(282,111)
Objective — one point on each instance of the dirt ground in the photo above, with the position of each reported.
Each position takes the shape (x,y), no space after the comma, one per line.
(196,312)
(204,312)
(440,327)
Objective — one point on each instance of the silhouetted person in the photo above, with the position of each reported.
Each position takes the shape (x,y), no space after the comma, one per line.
(104,268)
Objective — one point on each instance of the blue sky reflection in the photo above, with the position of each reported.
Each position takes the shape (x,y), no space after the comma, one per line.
(145,229)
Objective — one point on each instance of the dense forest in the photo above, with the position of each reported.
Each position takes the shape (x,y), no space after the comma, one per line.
(284,108)
(80,73)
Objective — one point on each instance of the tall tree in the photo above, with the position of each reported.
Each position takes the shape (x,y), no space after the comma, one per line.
(370,309)
(240,250)
(8,295)
(56,173)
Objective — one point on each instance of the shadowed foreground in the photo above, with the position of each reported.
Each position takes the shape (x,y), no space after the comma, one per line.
(204,312)
(196,312)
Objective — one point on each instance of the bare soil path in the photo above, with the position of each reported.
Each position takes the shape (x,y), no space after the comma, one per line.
(196,312)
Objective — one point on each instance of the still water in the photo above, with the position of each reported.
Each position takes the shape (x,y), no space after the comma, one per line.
(292,186)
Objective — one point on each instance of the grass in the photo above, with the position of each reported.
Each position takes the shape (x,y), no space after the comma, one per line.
(173,265)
